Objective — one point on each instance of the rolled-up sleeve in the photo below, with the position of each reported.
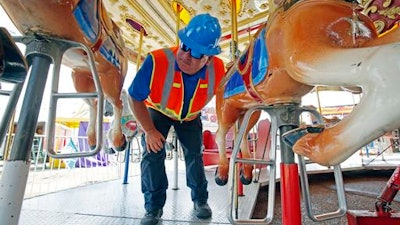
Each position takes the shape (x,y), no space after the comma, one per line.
(140,86)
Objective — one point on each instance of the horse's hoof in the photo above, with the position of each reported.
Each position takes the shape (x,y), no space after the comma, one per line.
(243,178)
(121,148)
(218,180)
(292,136)
(108,109)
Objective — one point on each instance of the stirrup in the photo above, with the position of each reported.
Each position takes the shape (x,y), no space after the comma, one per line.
(13,66)
(292,136)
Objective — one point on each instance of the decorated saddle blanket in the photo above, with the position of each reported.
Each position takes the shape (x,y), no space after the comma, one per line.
(89,17)
(258,67)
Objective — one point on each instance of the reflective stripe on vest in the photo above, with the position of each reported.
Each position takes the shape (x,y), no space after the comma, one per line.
(211,80)
(170,78)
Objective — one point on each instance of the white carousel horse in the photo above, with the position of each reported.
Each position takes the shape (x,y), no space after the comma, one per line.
(309,43)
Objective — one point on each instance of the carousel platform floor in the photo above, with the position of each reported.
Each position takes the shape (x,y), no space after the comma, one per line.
(116,203)
(121,204)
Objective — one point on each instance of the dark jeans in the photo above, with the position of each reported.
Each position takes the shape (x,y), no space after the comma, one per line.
(154,178)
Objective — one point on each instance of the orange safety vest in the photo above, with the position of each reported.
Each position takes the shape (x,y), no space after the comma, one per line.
(166,85)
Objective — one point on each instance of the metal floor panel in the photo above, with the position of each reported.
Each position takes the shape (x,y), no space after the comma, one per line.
(116,203)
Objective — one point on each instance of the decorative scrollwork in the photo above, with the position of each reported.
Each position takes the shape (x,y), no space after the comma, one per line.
(384,13)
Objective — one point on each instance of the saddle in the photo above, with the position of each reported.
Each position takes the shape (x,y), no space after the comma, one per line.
(13,67)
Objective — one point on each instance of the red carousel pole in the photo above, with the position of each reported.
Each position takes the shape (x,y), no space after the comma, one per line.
(290,184)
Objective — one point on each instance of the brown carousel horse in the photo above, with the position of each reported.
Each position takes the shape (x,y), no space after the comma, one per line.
(86,22)
(309,43)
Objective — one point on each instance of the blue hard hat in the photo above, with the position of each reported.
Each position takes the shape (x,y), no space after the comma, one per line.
(202,35)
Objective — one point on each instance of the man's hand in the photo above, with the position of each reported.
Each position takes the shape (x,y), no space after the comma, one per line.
(154,140)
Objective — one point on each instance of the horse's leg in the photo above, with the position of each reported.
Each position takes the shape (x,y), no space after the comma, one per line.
(83,82)
(221,175)
(227,116)
(115,133)
(112,82)
(246,172)
(378,72)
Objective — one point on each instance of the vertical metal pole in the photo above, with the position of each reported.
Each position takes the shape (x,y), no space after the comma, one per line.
(272,6)
(127,154)
(290,184)
(318,100)
(240,188)
(178,21)
(7,147)
(8,116)
(234,41)
(175,150)
(234,56)
(175,157)
(139,54)
(16,169)
(128,150)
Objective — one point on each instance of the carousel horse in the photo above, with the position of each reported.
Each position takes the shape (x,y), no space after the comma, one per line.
(86,22)
(314,43)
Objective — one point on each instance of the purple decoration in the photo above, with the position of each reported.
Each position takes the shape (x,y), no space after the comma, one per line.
(101,159)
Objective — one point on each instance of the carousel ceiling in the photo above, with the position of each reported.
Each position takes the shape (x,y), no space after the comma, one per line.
(149,25)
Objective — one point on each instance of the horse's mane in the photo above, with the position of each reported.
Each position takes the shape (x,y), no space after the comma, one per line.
(232,66)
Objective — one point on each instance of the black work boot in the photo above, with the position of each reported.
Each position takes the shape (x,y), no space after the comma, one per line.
(152,217)
(202,210)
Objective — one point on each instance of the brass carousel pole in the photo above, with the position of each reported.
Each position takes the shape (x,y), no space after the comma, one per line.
(178,21)
(238,186)
(271,6)
(8,143)
(318,100)
(139,54)
(234,41)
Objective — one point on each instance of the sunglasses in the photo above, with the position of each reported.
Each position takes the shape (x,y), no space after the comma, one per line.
(193,54)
